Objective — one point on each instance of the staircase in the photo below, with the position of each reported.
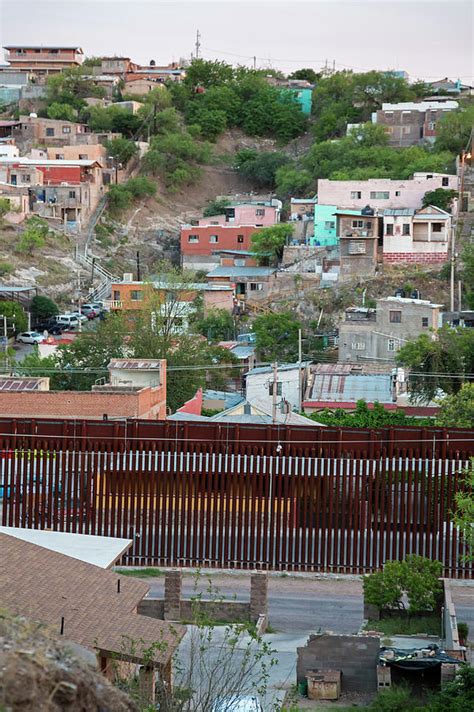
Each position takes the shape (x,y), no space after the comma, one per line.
(103,290)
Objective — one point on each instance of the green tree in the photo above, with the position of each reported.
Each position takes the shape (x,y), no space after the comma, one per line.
(467,272)
(204,73)
(268,243)
(277,336)
(119,198)
(440,198)
(166,121)
(291,181)
(121,149)
(464,514)
(216,325)
(454,129)
(5,207)
(212,122)
(457,410)
(17,320)
(215,207)
(260,168)
(33,236)
(71,87)
(305,74)
(365,417)
(176,158)
(43,307)
(64,112)
(116,119)
(438,362)
(140,187)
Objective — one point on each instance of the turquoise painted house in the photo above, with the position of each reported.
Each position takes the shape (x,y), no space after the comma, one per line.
(304,97)
(325,226)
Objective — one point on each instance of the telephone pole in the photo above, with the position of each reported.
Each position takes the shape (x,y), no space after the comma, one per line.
(254,62)
(198,43)
(300,379)
(274,392)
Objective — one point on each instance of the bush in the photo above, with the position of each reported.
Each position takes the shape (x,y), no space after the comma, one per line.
(64,112)
(119,198)
(6,268)
(121,149)
(140,187)
(43,307)
(416,577)
(34,235)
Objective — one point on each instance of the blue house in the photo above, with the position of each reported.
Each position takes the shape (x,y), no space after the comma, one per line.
(325,226)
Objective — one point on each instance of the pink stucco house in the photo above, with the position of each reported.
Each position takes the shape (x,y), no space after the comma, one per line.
(381,193)
(244,214)
(417,236)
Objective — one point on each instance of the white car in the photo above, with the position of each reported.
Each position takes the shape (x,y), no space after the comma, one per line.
(30,337)
(79,316)
(237,703)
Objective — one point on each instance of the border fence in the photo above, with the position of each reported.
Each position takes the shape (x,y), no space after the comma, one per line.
(340,500)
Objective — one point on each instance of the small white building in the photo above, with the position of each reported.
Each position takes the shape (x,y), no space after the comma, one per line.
(290,385)
(420,236)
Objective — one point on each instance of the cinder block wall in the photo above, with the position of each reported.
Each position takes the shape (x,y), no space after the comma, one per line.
(356,657)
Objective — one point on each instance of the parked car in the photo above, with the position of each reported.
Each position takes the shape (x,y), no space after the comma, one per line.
(237,703)
(67,320)
(90,311)
(30,337)
(56,329)
(79,316)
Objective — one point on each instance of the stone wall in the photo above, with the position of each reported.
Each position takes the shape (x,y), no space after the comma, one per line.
(355,656)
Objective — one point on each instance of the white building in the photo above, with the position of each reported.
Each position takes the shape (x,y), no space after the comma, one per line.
(259,385)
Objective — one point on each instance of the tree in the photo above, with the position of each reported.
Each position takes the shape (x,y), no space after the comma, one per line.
(216,325)
(440,198)
(291,181)
(438,362)
(114,118)
(17,320)
(457,411)
(71,87)
(464,514)
(365,417)
(5,207)
(212,122)
(43,308)
(277,336)
(175,157)
(268,243)
(305,74)
(64,112)
(215,207)
(33,236)
(166,121)
(467,272)
(260,168)
(119,198)
(204,73)
(140,187)
(454,129)
(121,149)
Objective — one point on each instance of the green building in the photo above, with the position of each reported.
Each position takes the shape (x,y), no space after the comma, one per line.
(325,226)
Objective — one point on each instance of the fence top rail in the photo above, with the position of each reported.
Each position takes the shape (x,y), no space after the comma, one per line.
(179,436)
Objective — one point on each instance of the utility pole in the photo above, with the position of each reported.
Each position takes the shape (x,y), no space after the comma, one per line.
(254,62)
(138,266)
(300,378)
(459,296)
(198,43)
(92,271)
(453,264)
(274,392)
(5,338)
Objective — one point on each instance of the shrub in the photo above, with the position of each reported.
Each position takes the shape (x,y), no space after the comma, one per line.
(34,235)
(6,268)
(140,187)
(43,307)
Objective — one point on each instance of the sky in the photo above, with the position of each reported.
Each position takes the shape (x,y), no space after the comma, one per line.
(428,39)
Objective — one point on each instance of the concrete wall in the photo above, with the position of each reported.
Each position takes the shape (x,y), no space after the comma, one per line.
(451,635)
(257,387)
(356,657)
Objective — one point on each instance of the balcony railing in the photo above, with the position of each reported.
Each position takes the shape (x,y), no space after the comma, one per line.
(113,304)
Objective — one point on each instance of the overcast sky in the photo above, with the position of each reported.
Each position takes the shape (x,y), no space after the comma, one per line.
(428,39)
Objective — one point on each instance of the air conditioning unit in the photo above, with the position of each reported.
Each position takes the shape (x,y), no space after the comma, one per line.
(128,277)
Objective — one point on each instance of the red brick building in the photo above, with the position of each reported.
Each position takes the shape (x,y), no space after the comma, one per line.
(199,245)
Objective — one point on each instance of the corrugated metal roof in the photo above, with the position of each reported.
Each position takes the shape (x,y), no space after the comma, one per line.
(342,388)
(242,272)
(134,364)
(242,352)
(20,384)
(399,211)
(9,288)
(269,369)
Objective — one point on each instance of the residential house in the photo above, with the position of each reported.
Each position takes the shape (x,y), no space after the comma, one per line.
(300,89)
(325,232)
(49,132)
(377,334)
(258,413)
(137,389)
(381,193)
(220,400)
(137,85)
(41,60)
(302,208)
(9,150)
(248,282)
(336,385)
(179,301)
(6,129)
(358,255)
(78,152)
(244,352)
(290,384)
(232,230)
(410,123)
(115,65)
(420,236)
(449,86)
(89,606)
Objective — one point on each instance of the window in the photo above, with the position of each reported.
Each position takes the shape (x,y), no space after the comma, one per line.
(358,346)
(424,321)
(437,227)
(356,195)
(66,129)
(398,193)
(278,385)
(240,239)
(356,247)
(83,157)
(25,178)
(72,193)
(406,229)
(60,156)
(389,229)
(357,223)
(49,132)
(116,295)
(136,295)
(368,224)
(445,180)
(431,125)
(406,130)
(256,286)
(193,238)
(260,212)
(329,225)
(214,222)
(379,195)
(213,239)
(392,345)
(395,317)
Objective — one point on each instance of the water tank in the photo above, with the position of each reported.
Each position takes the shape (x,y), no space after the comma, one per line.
(416,294)
(400,293)
(33,115)
(367,210)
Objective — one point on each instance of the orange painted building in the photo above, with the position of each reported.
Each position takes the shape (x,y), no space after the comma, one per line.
(43,60)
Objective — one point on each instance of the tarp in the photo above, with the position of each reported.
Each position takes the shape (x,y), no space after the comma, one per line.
(416,658)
